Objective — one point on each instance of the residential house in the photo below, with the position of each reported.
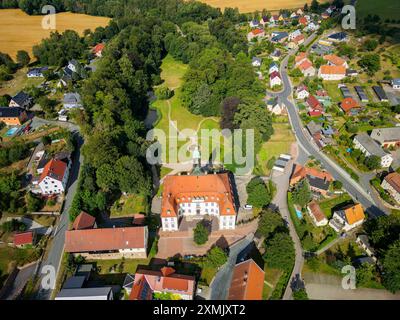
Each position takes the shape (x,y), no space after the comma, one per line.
(391,183)
(276,54)
(387,137)
(319,180)
(334,60)
(302,92)
(98,50)
(369,147)
(299,12)
(84,221)
(256,62)
(313,127)
(273,67)
(247,281)
(299,39)
(264,20)
(294,15)
(148,283)
(99,293)
(332,73)
(316,214)
(254,23)
(13,116)
(24,239)
(294,34)
(300,58)
(303,21)
(314,104)
(396,83)
(347,218)
(195,196)
(274,19)
(54,178)
(325,15)
(306,67)
(255,34)
(275,107)
(338,37)
(22,100)
(312,27)
(350,106)
(278,36)
(275,79)
(380,93)
(36,72)
(363,241)
(72,100)
(108,243)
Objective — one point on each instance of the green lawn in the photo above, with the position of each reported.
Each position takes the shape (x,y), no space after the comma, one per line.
(18,83)
(327,205)
(129,205)
(280,142)
(10,256)
(272,276)
(386,9)
(172,72)
(334,92)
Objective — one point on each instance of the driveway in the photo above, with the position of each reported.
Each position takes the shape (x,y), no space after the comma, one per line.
(24,275)
(222,280)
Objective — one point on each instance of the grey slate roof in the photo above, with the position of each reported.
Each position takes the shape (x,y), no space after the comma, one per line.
(72,98)
(386,134)
(396,82)
(101,293)
(10,112)
(361,93)
(318,182)
(370,144)
(74,282)
(21,98)
(313,127)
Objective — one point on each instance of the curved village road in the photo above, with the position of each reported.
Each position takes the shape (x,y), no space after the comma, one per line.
(306,142)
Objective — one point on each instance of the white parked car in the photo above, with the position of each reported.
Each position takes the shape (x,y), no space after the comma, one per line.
(248,207)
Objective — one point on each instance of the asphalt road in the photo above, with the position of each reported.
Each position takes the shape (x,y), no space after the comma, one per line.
(56,251)
(358,192)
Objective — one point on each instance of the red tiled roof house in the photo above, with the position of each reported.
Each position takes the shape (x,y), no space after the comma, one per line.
(24,239)
(108,243)
(247,281)
(54,178)
(149,283)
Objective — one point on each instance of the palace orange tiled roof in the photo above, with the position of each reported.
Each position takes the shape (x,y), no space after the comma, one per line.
(325,69)
(54,169)
(186,188)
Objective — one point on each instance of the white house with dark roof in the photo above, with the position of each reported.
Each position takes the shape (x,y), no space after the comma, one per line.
(369,147)
(22,100)
(396,84)
(72,101)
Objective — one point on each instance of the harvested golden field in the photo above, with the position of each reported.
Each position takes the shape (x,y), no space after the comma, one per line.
(19,31)
(253,5)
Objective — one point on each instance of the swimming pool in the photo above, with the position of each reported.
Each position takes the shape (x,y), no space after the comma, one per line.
(299,214)
(11,132)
